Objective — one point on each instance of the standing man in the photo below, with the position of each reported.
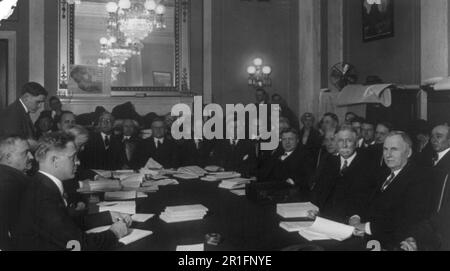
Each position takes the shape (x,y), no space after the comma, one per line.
(15,120)
(55,112)
(15,160)
(44,221)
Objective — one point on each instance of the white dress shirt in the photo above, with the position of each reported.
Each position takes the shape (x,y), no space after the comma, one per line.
(57,182)
(441,155)
(158,141)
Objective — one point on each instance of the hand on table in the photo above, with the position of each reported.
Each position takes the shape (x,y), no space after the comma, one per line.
(120,229)
(115,216)
(409,244)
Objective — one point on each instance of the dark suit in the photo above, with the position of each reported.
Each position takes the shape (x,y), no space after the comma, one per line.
(341,195)
(130,152)
(14,121)
(13,184)
(443,164)
(96,156)
(166,154)
(240,158)
(296,166)
(405,202)
(55,119)
(191,155)
(375,153)
(45,224)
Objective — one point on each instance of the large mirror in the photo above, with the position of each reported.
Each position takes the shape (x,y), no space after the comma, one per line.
(123,47)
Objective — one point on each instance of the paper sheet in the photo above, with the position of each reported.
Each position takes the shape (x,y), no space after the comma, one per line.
(295,226)
(125,207)
(313,236)
(199,247)
(152,164)
(120,195)
(141,218)
(333,230)
(295,210)
(240,192)
(134,235)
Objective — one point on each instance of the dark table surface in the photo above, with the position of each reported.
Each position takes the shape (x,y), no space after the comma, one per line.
(244,225)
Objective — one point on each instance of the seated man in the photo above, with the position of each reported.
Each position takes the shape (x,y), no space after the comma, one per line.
(44,222)
(401,199)
(160,148)
(291,165)
(368,134)
(196,152)
(329,149)
(346,182)
(66,121)
(102,151)
(15,160)
(131,145)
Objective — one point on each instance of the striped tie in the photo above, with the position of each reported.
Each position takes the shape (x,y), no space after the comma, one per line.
(388,182)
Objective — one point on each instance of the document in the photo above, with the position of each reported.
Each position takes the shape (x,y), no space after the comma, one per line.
(213,168)
(186,176)
(296,210)
(141,218)
(235,183)
(332,230)
(104,173)
(240,192)
(295,226)
(99,186)
(195,170)
(125,207)
(132,181)
(199,247)
(134,235)
(183,213)
(152,164)
(120,195)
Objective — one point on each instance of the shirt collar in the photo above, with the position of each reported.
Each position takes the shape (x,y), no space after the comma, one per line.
(442,154)
(349,160)
(56,181)
(159,140)
(104,135)
(24,106)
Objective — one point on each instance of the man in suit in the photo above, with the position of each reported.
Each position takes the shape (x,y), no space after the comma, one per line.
(54,113)
(440,141)
(375,151)
(44,222)
(15,159)
(15,119)
(329,122)
(196,152)
(310,138)
(102,151)
(329,149)
(131,145)
(66,121)
(159,147)
(368,134)
(402,197)
(346,182)
(357,125)
(291,165)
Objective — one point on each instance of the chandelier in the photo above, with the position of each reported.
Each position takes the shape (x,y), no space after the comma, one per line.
(7,8)
(137,18)
(259,75)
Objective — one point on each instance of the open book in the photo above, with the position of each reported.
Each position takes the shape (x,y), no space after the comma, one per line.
(134,235)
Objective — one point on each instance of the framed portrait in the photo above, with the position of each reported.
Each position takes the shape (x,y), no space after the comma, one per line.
(162,79)
(89,81)
(377,19)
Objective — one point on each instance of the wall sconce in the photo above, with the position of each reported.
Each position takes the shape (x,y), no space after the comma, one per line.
(259,75)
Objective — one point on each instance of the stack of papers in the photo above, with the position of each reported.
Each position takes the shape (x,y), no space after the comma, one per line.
(324,229)
(296,210)
(152,164)
(199,247)
(163,182)
(104,173)
(132,181)
(124,195)
(226,175)
(122,174)
(186,176)
(141,218)
(236,183)
(295,226)
(134,235)
(213,168)
(195,170)
(100,186)
(183,213)
(124,207)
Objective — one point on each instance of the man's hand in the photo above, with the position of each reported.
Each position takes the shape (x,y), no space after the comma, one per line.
(354,220)
(409,244)
(80,207)
(122,217)
(120,229)
(360,230)
(313,214)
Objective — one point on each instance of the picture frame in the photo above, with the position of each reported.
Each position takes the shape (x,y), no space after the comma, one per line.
(162,79)
(377,19)
(86,81)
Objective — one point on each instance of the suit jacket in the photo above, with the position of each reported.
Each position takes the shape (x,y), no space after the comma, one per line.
(191,155)
(55,119)
(12,185)
(405,202)
(133,161)
(240,158)
(166,154)
(340,196)
(45,224)
(14,121)
(314,141)
(296,166)
(443,164)
(375,153)
(96,156)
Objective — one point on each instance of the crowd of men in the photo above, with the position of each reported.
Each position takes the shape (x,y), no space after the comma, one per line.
(390,186)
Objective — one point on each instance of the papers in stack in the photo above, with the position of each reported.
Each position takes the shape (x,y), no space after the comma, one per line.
(132,181)
(104,173)
(186,176)
(163,182)
(213,168)
(296,210)
(152,164)
(122,195)
(324,229)
(199,247)
(124,207)
(195,170)
(295,226)
(134,235)
(141,218)
(236,183)
(226,175)
(100,186)
(122,174)
(183,213)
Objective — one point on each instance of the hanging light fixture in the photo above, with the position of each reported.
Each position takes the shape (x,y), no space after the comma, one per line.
(138,18)
(259,75)
(7,8)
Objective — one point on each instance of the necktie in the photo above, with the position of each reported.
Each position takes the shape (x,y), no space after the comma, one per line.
(344,167)
(435,159)
(284,156)
(388,182)
(107,142)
